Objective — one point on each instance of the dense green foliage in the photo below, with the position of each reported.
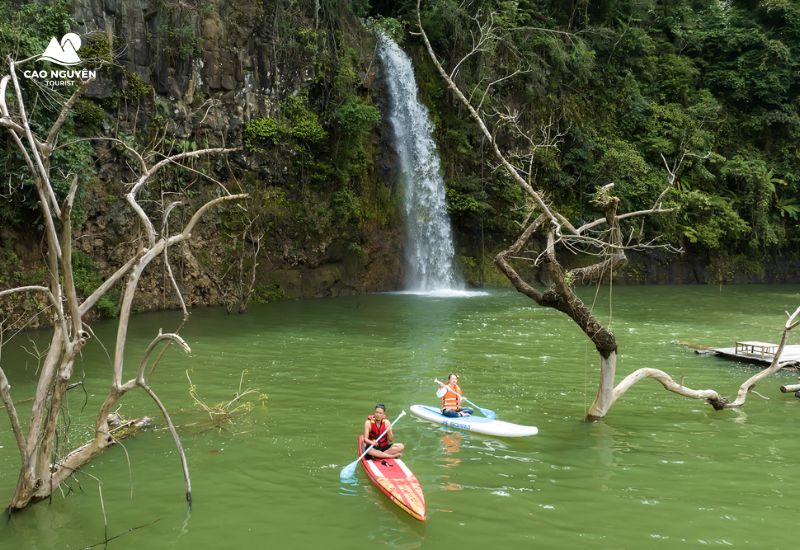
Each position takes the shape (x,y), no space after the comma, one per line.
(298,125)
(26,29)
(627,82)
(315,195)
(22,35)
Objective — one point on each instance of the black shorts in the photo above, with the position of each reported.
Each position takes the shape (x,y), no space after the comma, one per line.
(383,448)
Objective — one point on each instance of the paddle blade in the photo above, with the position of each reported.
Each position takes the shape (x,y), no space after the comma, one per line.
(488,413)
(348,472)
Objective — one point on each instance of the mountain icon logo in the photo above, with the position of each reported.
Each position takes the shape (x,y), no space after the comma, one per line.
(65,52)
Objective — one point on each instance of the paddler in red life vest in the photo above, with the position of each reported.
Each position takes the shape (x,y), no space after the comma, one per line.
(376,424)
(451,395)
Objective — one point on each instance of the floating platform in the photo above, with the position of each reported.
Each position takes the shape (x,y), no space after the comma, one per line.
(760,352)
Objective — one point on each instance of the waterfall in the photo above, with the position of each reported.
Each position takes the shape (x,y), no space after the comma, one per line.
(429,243)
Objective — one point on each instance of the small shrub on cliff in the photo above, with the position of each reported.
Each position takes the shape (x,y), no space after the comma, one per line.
(135,87)
(357,117)
(97,48)
(394,28)
(179,40)
(346,206)
(308,37)
(304,124)
(263,131)
(298,124)
(88,114)
(265,294)
(460,203)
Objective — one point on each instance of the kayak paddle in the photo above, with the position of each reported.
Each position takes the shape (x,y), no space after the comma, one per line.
(488,413)
(348,471)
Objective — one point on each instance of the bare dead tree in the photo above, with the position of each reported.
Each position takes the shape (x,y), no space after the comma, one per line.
(251,239)
(550,232)
(243,271)
(42,469)
(247,241)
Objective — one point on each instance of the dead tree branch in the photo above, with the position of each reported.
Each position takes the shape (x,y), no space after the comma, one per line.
(38,477)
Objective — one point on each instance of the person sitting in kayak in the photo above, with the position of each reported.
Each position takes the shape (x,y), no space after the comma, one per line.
(376,424)
(451,395)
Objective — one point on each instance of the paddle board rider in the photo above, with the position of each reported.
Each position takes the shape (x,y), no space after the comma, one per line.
(376,424)
(451,395)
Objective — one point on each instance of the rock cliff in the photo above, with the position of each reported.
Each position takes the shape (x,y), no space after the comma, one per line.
(192,74)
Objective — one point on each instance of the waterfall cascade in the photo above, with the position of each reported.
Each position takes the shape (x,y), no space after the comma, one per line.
(429,245)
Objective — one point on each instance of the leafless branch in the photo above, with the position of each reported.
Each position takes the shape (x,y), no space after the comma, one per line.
(666,380)
(176,437)
(485,35)
(775,366)
(481,124)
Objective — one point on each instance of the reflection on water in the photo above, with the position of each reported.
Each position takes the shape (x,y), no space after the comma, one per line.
(740,416)
(451,445)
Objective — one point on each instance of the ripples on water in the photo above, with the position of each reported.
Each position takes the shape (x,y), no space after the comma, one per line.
(349,488)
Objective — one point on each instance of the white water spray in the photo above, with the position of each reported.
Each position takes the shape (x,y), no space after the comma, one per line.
(429,246)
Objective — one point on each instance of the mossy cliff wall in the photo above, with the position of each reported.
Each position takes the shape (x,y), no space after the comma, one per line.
(296,86)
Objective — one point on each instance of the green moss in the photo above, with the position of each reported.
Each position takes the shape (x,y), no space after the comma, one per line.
(97,48)
(262,131)
(88,114)
(355,249)
(135,87)
(87,280)
(265,294)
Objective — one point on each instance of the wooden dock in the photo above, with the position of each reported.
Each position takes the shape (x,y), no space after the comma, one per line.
(760,352)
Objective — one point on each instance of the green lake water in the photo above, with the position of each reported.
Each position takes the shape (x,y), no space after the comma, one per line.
(660,471)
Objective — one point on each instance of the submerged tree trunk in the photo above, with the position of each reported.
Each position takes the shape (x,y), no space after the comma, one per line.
(605,390)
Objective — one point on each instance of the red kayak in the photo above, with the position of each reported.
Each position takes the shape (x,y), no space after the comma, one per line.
(396,481)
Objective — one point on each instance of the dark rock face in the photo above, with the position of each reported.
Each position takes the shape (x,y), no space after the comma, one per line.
(191,55)
(695,267)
